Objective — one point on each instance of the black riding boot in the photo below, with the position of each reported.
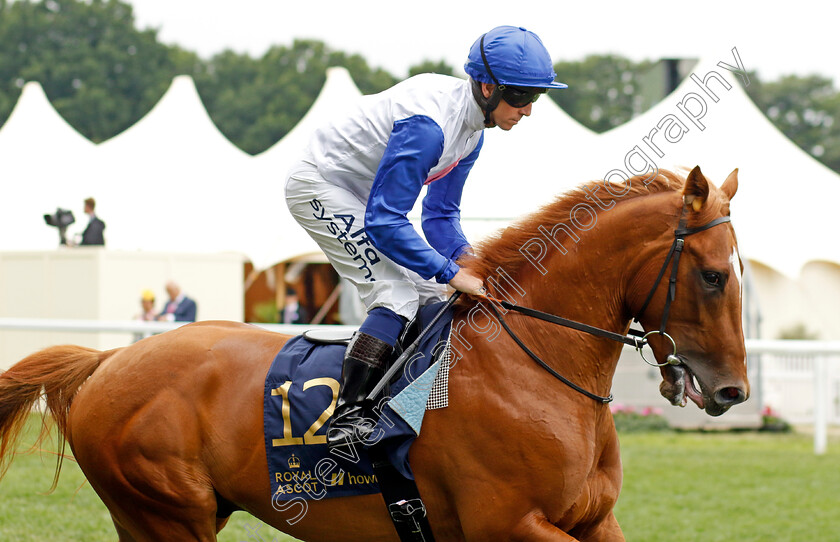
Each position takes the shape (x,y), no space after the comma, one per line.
(364,365)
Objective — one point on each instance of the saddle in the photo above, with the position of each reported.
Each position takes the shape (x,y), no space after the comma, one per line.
(338,336)
(327,336)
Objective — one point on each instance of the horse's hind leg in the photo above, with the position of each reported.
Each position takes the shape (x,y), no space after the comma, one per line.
(148,526)
(150,473)
(148,516)
(169,505)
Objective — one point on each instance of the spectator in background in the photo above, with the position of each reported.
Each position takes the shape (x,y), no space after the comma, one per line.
(94,233)
(179,308)
(292,313)
(147,312)
(147,302)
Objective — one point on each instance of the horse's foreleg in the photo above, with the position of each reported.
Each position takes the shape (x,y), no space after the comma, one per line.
(124,536)
(220,523)
(535,527)
(606,531)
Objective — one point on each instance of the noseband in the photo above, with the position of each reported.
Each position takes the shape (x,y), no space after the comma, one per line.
(635,338)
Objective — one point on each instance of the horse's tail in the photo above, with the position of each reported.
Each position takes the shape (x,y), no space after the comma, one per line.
(56,373)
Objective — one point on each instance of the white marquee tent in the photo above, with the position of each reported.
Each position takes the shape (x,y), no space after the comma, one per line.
(173,182)
(43,165)
(524,168)
(784,205)
(278,237)
(338,93)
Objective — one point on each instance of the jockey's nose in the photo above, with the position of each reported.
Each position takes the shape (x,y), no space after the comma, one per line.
(526,111)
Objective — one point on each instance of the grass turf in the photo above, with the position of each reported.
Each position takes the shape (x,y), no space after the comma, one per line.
(728,486)
(677,486)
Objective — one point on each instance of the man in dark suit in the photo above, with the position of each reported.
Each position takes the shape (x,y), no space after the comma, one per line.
(94,233)
(179,308)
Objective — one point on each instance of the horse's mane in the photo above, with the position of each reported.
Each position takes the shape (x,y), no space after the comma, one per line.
(503,249)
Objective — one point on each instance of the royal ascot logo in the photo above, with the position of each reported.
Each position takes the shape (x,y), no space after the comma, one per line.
(294,462)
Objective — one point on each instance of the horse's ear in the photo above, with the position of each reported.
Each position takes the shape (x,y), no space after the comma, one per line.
(696,190)
(730,185)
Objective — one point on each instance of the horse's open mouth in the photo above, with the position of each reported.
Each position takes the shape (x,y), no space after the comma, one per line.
(679,385)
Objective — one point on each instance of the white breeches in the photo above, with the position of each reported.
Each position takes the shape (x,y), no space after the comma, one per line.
(334,217)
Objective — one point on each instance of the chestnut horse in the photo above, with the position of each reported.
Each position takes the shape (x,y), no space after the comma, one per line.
(169,431)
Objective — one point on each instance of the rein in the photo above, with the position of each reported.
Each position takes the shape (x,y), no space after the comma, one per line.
(548,318)
(635,338)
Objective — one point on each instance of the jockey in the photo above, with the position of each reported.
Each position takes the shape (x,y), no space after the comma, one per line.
(362,174)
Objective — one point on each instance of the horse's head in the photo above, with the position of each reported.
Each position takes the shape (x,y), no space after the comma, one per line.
(704,319)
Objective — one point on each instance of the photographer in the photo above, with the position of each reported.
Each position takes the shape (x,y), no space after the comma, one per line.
(94,232)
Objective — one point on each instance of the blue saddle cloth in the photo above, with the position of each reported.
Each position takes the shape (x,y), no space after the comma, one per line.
(300,389)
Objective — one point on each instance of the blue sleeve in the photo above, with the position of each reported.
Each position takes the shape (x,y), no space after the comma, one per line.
(442,208)
(414,148)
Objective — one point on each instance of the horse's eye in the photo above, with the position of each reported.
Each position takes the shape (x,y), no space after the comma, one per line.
(713,278)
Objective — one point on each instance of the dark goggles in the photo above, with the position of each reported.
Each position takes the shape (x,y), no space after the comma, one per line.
(514,96)
(519,96)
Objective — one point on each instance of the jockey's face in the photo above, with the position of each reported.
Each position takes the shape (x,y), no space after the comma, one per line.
(505,116)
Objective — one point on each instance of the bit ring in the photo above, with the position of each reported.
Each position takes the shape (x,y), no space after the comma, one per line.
(672,358)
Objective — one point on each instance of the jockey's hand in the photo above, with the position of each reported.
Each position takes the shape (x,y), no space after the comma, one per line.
(467,281)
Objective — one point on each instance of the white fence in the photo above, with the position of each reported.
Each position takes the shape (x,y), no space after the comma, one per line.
(788,385)
(131,326)
(803,379)
(798,379)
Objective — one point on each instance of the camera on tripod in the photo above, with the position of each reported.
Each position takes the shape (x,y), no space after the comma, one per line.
(60,219)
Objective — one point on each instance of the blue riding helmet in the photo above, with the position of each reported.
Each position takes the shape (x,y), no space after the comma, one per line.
(510,55)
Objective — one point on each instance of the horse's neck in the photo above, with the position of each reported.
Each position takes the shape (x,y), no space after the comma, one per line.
(589,284)
(597,274)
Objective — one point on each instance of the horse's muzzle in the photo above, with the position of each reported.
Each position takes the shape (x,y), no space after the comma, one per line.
(680,384)
(724,399)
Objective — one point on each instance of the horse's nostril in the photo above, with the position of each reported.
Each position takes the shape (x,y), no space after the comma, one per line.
(730,396)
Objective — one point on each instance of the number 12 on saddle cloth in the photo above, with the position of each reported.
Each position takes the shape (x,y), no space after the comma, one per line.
(301,389)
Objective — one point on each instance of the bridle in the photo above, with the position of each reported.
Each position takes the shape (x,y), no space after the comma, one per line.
(673,256)
(634,338)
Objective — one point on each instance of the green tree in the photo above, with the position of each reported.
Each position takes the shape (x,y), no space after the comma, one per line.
(97,69)
(102,74)
(255,102)
(806,110)
(603,90)
(429,66)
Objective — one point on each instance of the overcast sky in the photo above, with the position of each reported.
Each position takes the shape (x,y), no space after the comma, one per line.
(773,38)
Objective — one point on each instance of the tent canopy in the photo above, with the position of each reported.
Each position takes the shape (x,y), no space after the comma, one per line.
(173,182)
(782,207)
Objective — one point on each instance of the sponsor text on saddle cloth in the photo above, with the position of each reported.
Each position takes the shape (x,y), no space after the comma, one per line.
(303,382)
